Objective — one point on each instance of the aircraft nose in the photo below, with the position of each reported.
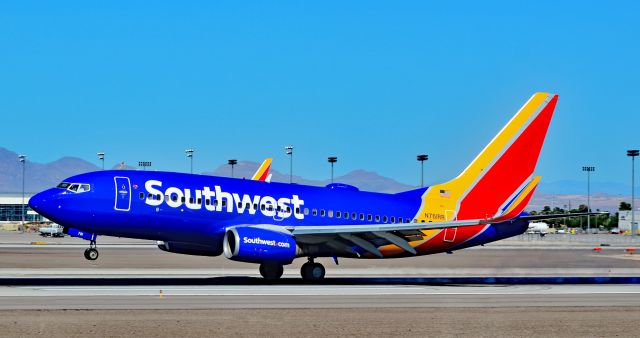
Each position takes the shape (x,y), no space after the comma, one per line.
(38,202)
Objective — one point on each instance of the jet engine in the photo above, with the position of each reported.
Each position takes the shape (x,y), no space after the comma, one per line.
(253,244)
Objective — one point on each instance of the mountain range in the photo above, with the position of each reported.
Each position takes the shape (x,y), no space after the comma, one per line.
(40,176)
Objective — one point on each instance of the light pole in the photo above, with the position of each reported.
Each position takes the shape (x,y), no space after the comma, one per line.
(588,170)
(332,160)
(289,151)
(189,153)
(634,228)
(23,160)
(422,158)
(101,158)
(144,164)
(232,163)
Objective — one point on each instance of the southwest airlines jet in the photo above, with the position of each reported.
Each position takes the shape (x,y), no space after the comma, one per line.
(271,224)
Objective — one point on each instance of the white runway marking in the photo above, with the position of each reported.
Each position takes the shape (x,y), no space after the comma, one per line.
(314,290)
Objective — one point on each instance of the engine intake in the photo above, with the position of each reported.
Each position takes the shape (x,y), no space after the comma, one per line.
(256,245)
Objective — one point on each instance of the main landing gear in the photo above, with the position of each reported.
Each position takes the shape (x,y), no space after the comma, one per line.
(312,271)
(271,271)
(92,252)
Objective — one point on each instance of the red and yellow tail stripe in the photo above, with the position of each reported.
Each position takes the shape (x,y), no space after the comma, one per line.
(263,171)
(497,172)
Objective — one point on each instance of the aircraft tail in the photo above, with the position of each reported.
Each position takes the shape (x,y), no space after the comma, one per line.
(498,183)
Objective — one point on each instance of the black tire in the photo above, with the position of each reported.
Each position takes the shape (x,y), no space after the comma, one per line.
(312,271)
(271,271)
(304,271)
(91,254)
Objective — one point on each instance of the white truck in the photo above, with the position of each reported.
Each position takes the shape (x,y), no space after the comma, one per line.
(53,230)
(541,228)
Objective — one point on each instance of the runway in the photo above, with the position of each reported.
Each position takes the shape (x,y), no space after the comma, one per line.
(315,296)
(135,289)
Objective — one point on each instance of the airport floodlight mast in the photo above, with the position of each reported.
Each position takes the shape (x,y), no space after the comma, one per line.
(144,164)
(101,158)
(289,151)
(189,153)
(232,163)
(588,170)
(422,158)
(23,160)
(634,228)
(332,160)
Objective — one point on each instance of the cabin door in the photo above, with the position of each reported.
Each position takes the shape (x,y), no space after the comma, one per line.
(123,193)
(450,234)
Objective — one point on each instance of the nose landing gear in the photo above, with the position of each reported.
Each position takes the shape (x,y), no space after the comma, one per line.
(91,253)
(312,271)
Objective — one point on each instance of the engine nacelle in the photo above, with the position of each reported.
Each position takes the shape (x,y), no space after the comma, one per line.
(189,248)
(256,245)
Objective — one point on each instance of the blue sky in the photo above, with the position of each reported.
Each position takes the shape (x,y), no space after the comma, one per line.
(374,83)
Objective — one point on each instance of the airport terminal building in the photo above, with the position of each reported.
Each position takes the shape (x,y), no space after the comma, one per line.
(11,208)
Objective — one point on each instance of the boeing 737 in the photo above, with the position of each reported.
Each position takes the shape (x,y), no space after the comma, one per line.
(271,224)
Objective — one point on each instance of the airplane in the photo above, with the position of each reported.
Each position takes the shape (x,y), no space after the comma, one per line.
(271,224)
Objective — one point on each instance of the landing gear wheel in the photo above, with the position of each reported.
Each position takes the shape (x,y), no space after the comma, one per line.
(311,271)
(271,271)
(91,254)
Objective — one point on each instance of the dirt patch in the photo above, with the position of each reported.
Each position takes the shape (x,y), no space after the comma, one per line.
(422,322)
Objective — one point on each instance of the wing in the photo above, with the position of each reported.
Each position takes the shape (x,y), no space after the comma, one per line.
(370,237)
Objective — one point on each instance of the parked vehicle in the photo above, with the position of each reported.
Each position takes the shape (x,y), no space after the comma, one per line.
(53,230)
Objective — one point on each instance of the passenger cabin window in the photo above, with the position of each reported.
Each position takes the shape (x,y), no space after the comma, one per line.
(377,218)
(306,211)
(338,214)
(141,195)
(322,212)
(330,213)
(384,219)
(362,217)
(369,217)
(353,216)
(393,219)
(315,212)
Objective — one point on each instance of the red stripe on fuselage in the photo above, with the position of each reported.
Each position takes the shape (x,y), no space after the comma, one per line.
(438,244)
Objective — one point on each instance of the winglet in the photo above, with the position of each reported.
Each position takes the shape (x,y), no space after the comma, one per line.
(263,171)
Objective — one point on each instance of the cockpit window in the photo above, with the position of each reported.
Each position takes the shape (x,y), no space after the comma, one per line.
(75,187)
